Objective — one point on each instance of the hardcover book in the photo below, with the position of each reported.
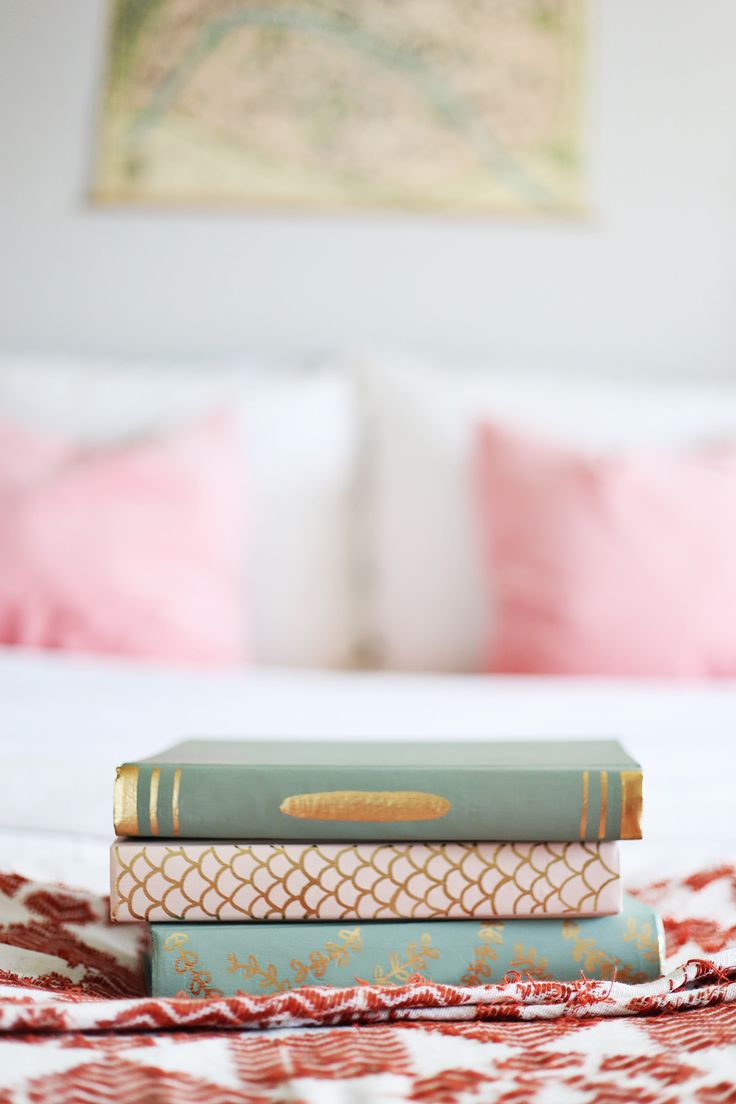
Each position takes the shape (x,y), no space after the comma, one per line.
(156,880)
(209,960)
(550,790)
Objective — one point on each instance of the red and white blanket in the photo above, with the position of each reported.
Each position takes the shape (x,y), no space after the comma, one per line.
(76,1027)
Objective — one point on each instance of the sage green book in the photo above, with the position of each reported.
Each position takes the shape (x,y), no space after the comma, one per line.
(207,960)
(530,790)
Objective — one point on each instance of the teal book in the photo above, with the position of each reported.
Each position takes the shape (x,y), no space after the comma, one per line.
(208,960)
(531,790)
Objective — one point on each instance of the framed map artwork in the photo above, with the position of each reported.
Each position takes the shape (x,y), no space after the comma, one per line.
(465,106)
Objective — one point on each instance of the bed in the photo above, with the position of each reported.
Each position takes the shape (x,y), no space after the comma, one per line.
(68,720)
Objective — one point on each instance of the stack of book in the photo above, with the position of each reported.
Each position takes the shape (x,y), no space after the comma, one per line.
(264,866)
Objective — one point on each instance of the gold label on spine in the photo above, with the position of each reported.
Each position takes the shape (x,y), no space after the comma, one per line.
(388,805)
(604,805)
(631,804)
(153,800)
(584,807)
(175,801)
(125,800)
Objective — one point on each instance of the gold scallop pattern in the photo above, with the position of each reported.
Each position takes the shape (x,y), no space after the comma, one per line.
(362,881)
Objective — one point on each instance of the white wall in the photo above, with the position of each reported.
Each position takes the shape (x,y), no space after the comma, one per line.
(647,281)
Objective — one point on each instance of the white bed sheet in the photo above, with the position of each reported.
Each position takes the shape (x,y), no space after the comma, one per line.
(67,721)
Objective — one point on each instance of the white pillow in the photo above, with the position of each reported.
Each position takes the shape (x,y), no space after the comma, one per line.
(298,439)
(423,604)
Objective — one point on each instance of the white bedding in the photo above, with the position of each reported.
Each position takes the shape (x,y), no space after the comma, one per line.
(67,722)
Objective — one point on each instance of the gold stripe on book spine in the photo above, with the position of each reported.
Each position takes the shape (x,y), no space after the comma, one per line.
(604,805)
(175,801)
(584,807)
(153,800)
(631,804)
(125,800)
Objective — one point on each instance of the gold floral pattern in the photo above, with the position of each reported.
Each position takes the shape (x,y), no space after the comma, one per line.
(401,968)
(316,966)
(187,962)
(480,970)
(644,936)
(595,962)
(529,962)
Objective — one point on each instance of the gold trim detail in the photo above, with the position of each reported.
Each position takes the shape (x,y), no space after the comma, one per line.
(376,805)
(584,807)
(604,805)
(153,800)
(125,800)
(631,804)
(175,801)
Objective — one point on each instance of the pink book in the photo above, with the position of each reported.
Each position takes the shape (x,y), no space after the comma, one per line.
(190,880)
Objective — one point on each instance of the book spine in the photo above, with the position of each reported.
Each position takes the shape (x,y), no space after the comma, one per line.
(153,881)
(207,960)
(409,803)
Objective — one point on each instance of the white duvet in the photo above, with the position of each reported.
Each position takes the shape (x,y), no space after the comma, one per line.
(66,723)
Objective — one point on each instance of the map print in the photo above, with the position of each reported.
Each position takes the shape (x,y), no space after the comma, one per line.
(462,106)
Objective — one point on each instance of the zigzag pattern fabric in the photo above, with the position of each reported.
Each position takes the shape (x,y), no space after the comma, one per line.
(64,971)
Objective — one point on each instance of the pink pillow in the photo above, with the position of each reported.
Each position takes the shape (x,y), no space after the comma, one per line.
(134,549)
(615,565)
